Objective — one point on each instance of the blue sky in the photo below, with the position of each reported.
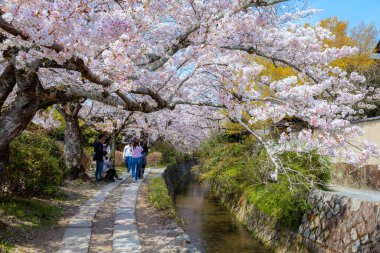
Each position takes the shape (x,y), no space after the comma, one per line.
(353,11)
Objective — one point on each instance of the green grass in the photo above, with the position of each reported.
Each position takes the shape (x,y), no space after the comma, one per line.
(31,212)
(6,246)
(241,168)
(159,197)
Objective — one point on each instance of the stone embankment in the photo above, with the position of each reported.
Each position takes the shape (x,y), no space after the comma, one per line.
(344,220)
(174,175)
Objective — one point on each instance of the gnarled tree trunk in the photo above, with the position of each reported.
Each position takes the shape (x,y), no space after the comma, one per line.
(73,150)
(113,146)
(21,111)
(7,83)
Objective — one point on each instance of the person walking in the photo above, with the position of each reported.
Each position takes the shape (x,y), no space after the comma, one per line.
(98,156)
(136,150)
(127,155)
(144,153)
(106,156)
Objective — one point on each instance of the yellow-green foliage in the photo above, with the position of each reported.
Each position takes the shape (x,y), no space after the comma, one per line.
(241,168)
(159,196)
(169,153)
(363,37)
(6,246)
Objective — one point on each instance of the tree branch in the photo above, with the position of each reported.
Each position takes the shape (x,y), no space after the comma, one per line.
(209,104)
(182,39)
(155,96)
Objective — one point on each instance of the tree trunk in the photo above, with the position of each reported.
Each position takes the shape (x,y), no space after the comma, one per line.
(7,82)
(73,150)
(4,157)
(21,111)
(113,146)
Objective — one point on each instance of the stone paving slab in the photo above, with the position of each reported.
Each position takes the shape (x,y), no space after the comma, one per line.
(125,218)
(76,238)
(80,223)
(125,234)
(125,210)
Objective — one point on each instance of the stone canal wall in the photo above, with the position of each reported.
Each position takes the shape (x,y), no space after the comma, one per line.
(264,227)
(338,223)
(174,175)
(334,224)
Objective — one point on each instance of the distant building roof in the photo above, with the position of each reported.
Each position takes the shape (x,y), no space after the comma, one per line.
(376,53)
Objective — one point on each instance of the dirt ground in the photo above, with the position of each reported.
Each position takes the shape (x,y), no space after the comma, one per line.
(47,239)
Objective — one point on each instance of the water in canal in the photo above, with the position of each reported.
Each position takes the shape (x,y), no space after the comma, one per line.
(211,228)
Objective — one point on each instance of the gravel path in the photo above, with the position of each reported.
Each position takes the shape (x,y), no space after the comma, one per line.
(367,195)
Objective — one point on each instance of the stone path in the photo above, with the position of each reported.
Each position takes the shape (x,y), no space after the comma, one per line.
(103,223)
(125,238)
(367,195)
(125,234)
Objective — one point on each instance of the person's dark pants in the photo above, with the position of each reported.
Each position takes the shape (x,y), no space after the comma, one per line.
(138,171)
(99,170)
(111,174)
(143,164)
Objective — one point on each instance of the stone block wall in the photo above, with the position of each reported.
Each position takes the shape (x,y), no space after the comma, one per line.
(265,228)
(174,175)
(334,223)
(367,177)
(338,223)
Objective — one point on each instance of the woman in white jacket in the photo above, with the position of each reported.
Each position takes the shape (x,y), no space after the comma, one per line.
(127,156)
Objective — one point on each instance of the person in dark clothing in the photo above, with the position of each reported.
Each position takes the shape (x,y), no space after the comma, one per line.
(98,157)
(143,158)
(111,172)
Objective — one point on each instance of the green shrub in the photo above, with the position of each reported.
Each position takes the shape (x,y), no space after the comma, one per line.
(242,168)
(160,198)
(170,154)
(89,136)
(35,166)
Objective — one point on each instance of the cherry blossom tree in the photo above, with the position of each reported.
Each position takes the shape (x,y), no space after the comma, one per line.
(320,96)
(155,55)
(186,127)
(106,119)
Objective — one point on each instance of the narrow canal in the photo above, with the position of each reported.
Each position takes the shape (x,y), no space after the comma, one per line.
(211,228)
